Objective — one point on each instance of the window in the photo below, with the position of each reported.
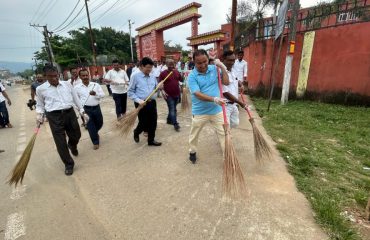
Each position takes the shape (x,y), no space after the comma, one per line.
(347,16)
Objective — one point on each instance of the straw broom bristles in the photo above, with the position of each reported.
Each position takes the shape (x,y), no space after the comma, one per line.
(233,183)
(185,104)
(127,122)
(17,174)
(262,150)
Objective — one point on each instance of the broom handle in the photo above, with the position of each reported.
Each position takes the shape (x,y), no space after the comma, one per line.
(157,88)
(221,94)
(246,108)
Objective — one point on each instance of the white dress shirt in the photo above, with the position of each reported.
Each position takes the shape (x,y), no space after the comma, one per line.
(156,71)
(75,82)
(2,98)
(233,87)
(83,92)
(119,80)
(240,69)
(50,98)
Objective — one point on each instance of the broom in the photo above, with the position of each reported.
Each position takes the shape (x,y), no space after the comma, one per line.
(262,150)
(233,179)
(17,174)
(185,104)
(126,123)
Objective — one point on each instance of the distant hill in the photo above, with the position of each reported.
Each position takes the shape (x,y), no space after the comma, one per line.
(15,67)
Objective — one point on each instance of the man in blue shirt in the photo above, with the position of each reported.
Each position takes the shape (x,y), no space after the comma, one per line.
(141,85)
(206,100)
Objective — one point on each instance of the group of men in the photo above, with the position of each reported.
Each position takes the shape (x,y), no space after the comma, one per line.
(57,100)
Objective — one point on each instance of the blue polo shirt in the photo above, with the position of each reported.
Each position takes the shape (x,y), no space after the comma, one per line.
(206,83)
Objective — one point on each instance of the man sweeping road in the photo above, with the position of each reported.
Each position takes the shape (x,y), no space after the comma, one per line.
(56,99)
(206,99)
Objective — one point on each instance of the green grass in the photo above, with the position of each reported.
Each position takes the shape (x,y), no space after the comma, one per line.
(326,147)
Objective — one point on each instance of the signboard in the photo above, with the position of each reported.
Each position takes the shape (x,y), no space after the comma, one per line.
(281,19)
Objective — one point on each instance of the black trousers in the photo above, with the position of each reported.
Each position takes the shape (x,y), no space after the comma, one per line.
(62,124)
(121,103)
(95,123)
(147,120)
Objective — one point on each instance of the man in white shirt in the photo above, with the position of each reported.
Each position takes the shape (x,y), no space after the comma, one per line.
(90,94)
(231,91)
(240,68)
(118,80)
(74,80)
(4,115)
(56,99)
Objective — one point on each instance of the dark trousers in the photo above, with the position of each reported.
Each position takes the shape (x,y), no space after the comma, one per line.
(109,90)
(60,125)
(4,114)
(147,120)
(95,122)
(172,111)
(121,103)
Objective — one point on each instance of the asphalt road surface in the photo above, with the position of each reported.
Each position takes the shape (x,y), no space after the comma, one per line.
(132,191)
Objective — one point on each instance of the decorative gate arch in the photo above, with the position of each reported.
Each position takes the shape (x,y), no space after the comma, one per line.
(149,41)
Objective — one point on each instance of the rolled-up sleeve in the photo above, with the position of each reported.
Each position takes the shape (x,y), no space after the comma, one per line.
(131,92)
(40,103)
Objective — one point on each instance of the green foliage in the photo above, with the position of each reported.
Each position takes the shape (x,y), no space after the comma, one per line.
(26,73)
(326,148)
(76,49)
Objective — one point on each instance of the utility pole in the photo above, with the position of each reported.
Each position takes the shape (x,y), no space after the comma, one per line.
(91,34)
(48,47)
(233,24)
(132,51)
(290,52)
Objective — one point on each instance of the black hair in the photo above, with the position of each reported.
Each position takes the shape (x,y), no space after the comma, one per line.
(227,53)
(115,61)
(200,52)
(83,70)
(49,68)
(71,68)
(145,61)
(241,52)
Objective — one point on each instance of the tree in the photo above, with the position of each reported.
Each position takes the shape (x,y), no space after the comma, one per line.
(76,49)
(170,47)
(26,73)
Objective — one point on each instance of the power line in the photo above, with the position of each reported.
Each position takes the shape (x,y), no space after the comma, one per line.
(126,5)
(102,15)
(37,11)
(68,16)
(79,12)
(46,11)
(12,48)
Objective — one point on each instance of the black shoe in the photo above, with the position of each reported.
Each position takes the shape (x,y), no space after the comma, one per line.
(169,122)
(155,143)
(136,137)
(74,150)
(68,171)
(193,157)
(177,128)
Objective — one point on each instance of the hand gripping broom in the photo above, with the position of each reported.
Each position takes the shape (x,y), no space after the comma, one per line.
(262,150)
(185,101)
(233,180)
(126,123)
(17,174)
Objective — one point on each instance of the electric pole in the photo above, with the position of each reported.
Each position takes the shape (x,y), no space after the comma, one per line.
(91,34)
(290,52)
(48,47)
(233,24)
(132,51)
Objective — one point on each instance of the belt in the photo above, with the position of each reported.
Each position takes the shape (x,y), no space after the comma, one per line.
(62,110)
(91,106)
(231,103)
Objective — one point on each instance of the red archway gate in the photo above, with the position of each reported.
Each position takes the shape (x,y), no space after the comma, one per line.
(149,41)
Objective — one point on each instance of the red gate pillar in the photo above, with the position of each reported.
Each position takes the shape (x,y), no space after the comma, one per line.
(194,30)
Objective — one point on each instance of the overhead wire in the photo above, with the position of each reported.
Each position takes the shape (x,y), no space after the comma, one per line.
(46,10)
(79,12)
(37,11)
(69,15)
(103,14)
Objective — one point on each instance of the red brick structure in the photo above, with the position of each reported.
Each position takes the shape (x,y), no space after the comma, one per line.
(149,41)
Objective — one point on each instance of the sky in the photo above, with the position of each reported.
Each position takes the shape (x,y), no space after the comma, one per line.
(19,41)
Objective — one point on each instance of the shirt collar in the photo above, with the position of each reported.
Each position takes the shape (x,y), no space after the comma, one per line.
(198,73)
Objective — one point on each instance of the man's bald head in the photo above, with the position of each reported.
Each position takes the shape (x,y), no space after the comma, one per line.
(170,64)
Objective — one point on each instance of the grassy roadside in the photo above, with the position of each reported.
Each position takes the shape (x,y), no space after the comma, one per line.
(326,148)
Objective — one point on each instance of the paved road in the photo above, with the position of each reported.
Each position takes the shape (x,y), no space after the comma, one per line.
(131,191)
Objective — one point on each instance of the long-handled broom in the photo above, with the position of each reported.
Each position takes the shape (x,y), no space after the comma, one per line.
(233,183)
(262,150)
(185,101)
(17,174)
(126,123)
